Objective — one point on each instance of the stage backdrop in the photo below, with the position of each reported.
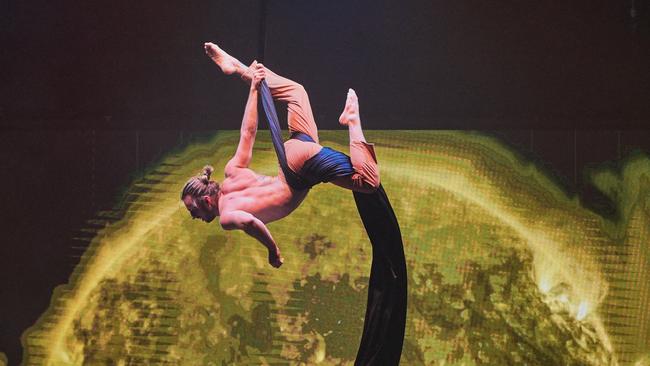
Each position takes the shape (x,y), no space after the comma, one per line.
(505,267)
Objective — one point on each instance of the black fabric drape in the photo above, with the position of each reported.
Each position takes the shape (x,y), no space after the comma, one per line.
(385,320)
(383,327)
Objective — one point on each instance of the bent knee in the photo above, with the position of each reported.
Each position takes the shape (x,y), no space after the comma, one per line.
(300,92)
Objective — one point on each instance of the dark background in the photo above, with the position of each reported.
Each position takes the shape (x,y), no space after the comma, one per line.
(92,92)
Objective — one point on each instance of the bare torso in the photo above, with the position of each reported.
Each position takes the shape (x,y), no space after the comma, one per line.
(267,198)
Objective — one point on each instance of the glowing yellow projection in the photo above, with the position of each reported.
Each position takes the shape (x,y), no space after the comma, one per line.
(504,268)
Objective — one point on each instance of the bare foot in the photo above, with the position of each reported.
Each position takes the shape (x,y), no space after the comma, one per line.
(227,63)
(275,259)
(350,114)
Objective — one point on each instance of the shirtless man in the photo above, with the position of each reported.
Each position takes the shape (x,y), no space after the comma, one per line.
(246,200)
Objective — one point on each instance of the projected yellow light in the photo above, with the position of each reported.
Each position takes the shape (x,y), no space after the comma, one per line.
(492,245)
(583,310)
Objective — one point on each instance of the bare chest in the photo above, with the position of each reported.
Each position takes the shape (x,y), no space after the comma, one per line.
(267,198)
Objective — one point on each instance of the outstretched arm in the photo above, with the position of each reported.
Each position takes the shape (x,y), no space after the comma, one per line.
(248,131)
(254,227)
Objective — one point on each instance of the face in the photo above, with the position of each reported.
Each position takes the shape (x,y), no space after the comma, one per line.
(203,208)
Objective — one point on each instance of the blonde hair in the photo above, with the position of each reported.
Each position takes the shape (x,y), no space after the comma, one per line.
(201,185)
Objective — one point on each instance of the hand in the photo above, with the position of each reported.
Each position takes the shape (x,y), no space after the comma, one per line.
(275,259)
(259,74)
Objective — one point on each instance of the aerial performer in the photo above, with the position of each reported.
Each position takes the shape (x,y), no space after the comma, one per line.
(247,201)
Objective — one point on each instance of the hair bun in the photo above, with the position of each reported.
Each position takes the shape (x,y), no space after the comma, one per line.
(206,173)
(207,170)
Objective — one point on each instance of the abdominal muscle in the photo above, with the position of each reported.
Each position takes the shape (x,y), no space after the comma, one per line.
(267,198)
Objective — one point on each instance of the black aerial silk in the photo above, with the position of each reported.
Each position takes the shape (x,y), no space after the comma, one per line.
(385,320)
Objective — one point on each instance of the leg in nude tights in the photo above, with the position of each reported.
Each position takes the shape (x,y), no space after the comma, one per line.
(362,153)
(300,118)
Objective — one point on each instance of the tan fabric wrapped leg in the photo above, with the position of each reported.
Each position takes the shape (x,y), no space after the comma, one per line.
(299,115)
(364,162)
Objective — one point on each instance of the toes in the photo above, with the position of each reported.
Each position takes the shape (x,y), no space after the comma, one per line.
(352,94)
(351,97)
(209,48)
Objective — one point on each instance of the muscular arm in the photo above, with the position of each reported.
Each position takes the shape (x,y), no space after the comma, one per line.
(248,131)
(254,227)
(247,134)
